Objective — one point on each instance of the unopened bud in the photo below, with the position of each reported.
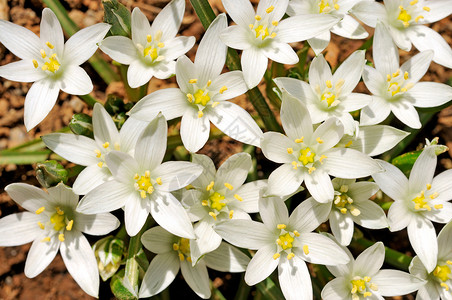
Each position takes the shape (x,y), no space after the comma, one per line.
(50,173)
(109,253)
(82,124)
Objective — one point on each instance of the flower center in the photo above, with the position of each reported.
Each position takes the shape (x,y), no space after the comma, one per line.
(443,273)
(202,95)
(330,94)
(48,62)
(326,6)
(410,12)
(344,203)
(217,201)
(183,249)
(144,184)
(398,83)
(151,50)
(421,201)
(306,157)
(57,224)
(285,242)
(101,153)
(362,286)
(263,28)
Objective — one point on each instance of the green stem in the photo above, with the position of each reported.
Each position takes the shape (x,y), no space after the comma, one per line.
(99,65)
(243,291)
(206,15)
(88,99)
(74,171)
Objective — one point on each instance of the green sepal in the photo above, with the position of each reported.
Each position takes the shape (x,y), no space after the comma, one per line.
(82,124)
(109,253)
(50,173)
(119,289)
(118,16)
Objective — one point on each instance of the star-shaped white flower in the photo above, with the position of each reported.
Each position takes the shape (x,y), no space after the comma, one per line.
(262,35)
(362,278)
(406,21)
(309,155)
(51,223)
(397,88)
(174,253)
(417,202)
(284,242)
(49,62)
(153,49)
(345,25)
(329,95)
(91,153)
(201,96)
(143,184)
(439,282)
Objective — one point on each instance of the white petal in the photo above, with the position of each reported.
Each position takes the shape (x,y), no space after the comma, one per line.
(130,132)
(370,12)
(82,45)
(423,169)
(430,94)
(375,112)
(280,7)
(140,27)
(372,215)
(168,212)
(109,196)
(245,234)
(438,10)
(297,88)
(350,71)
(319,186)
(355,101)
(392,181)
(342,227)
(250,193)
(75,148)
(233,171)
(424,38)
(400,38)
(254,64)
(103,126)
(443,215)
(209,170)
(274,146)
(135,214)
(236,122)
(176,174)
(40,256)
(303,27)
(374,80)
(29,197)
(416,268)
(20,41)
(322,250)
(185,71)
(234,83)
(120,49)
(349,28)
(261,265)
(227,258)
(211,53)
(273,211)
(282,53)
(39,102)
(51,31)
(207,241)
(398,215)
(370,260)
(443,183)
(194,131)
(241,11)
(98,224)
(418,65)
(349,163)
(169,19)
(151,145)
(330,132)
(63,195)
(319,72)
(295,279)
(161,272)
(139,73)
(406,113)
(336,289)
(385,52)
(236,37)
(308,215)
(422,237)
(444,239)
(76,81)
(284,180)
(428,292)
(80,262)
(295,118)
(18,229)
(22,71)
(122,166)
(395,283)
(320,41)
(197,278)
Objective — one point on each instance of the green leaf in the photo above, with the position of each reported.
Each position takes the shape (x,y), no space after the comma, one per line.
(269,290)
(118,16)
(406,161)
(23,158)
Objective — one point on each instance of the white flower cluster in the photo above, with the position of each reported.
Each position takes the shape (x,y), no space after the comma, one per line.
(197,206)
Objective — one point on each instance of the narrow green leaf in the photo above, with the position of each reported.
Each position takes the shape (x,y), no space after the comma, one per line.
(118,289)
(269,290)
(23,158)
(118,16)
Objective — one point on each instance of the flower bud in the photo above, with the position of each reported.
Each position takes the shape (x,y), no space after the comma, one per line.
(109,253)
(82,124)
(50,173)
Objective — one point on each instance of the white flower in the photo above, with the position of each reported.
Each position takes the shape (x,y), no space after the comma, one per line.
(284,242)
(152,49)
(405,20)
(174,253)
(202,94)
(142,185)
(439,282)
(220,195)
(363,279)
(397,88)
(418,201)
(351,204)
(91,152)
(309,155)
(345,25)
(263,35)
(52,223)
(329,95)
(53,65)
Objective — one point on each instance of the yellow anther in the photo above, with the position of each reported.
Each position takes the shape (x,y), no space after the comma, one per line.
(273,35)
(367,278)
(348,144)
(396,73)
(426,8)
(190,98)
(158,35)
(117,146)
(319,140)
(223,89)
(270,9)
(98,153)
(159,180)
(193,81)
(181,257)
(189,259)
(100,164)
(275,23)
(200,114)
(355,212)
(296,233)
(438,206)
(41,225)
(46,239)
(343,188)
(406,75)
(336,6)
(228,186)
(290,256)
(106,145)
(150,189)
(209,82)
(204,203)
(175,247)
(300,140)
(276,256)
(418,18)
(213,215)
(343,210)
(43,53)
(215,104)
(40,210)
(160,45)
(49,45)
(136,177)
(289,150)
(231,214)
(251,26)
(388,77)
(429,186)
(59,211)
(61,237)
(149,38)
(295,165)
(143,194)
(445,286)
(311,169)
(69,225)
(406,24)
(434,195)
(279,242)
(426,206)
(373,287)
(329,84)
(413,2)
(238,197)
(210,186)
(257,17)
(367,294)
(147,174)
(306,249)
(281,226)
(35,63)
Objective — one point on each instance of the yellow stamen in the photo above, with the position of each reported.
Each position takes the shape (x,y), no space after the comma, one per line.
(49,45)
(136,176)
(210,186)
(311,169)
(59,211)
(295,165)
(367,294)
(290,256)
(40,210)
(270,9)
(159,181)
(300,140)
(449,262)
(319,140)
(348,144)
(251,26)
(418,18)
(336,6)
(190,98)
(445,286)
(296,233)
(322,157)
(434,195)
(147,174)
(69,225)
(413,2)
(257,17)
(41,225)
(388,77)
(175,247)
(98,153)
(43,53)
(289,150)
(231,214)
(343,210)
(204,203)
(143,194)
(193,81)
(229,186)
(281,226)
(215,104)
(373,287)
(213,215)
(275,23)
(100,164)
(306,249)
(150,189)
(117,147)
(181,257)
(209,82)
(46,239)
(276,256)
(429,186)
(367,278)
(149,38)
(200,114)
(329,84)
(106,145)
(160,45)
(238,197)
(223,89)
(273,35)
(61,237)
(35,63)
(426,8)
(438,206)
(406,75)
